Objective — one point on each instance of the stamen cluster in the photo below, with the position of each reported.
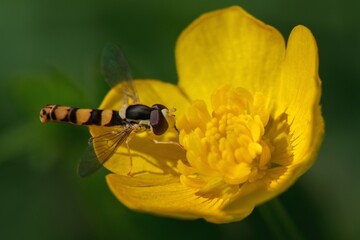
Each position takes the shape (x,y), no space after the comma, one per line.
(231,148)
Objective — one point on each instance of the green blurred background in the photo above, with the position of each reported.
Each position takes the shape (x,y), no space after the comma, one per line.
(49,53)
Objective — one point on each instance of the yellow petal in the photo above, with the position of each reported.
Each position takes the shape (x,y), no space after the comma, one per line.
(299,91)
(228,47)
(146,155)
(165,195)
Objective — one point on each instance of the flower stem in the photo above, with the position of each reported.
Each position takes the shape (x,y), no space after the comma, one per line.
(278,220)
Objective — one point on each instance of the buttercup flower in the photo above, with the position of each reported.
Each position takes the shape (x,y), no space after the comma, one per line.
(248,113)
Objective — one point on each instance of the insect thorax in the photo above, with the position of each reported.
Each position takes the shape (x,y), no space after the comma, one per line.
(138,112)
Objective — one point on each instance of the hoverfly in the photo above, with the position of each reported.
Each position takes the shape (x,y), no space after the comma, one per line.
(130,119)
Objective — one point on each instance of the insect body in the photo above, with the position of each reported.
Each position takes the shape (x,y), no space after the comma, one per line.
(137,115)
(131,118)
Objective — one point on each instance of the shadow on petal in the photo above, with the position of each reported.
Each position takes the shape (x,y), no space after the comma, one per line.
(148,158)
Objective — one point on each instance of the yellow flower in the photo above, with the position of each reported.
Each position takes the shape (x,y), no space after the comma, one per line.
(249,119)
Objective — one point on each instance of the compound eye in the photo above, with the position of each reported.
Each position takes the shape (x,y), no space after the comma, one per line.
(158,122)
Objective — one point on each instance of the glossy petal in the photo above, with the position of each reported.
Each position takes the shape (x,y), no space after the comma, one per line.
(166,196)
(228,47)
(299,91)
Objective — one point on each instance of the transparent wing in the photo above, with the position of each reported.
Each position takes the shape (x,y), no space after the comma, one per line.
(100,149)
(116,70)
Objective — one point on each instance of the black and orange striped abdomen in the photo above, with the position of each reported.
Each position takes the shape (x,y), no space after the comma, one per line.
(81,116)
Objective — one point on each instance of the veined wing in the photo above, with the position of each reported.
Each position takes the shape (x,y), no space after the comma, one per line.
(116,70)
(100,149)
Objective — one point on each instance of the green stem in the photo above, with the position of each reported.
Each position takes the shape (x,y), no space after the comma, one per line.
(279,221)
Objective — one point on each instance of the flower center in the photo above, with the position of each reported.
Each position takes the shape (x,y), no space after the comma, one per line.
(229,147)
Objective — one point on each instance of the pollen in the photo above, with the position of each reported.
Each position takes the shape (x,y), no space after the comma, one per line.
(229,147)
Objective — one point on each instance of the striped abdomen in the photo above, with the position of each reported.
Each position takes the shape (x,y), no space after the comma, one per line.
(80,116)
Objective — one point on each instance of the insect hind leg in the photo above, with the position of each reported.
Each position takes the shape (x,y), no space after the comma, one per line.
(130,174)
(168,142)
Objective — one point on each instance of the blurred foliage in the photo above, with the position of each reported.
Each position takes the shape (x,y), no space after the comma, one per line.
(49,53)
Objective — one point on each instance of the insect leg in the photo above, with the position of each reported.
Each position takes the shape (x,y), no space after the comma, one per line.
(129,152)
(168,142)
